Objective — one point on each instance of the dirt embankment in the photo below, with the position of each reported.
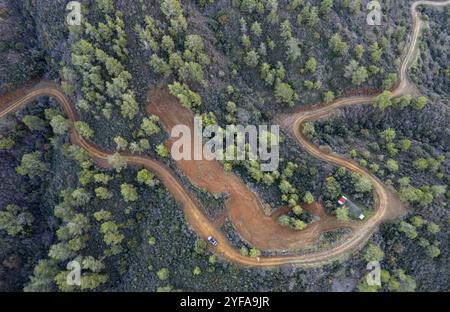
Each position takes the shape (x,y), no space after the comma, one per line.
(243,206)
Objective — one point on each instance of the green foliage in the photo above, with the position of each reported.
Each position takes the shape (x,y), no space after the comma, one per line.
(85,176)
(389,81)
(173,10)
(342,214)
(167,288)
(256,29)
(129,107)
(383,100)
(200,246)
(433,251)
(362,184)
(388,135)
(32,165)
(403,101)
(406,282)
(243,251)
(15,220)
(197,271)
(433,228)
(408,229)
(6,143)
(423,242)
(293,51)
(357,74)
(286,187)
(254,252)
(60,125)
(90,281)
(311,65)
(391,149)
(43,275)
(146,177)
(328,97)
(297,210)
(194,43)
(167,43)
(128,192)
(373,253)
(299,224)
(284,220)
(102,215)
(363,286)
(83,129)
(186,97)
(326,6)
(420,164)
(103,193)
(105,6)
(308,198)
(162,151)
(418,221)
(412,195)
(392,165)
(80,197)
(117,162)
(212,259)
(102,178)
(337,45)
(374,168)
(285,94)
(359,50)
(420,102)
(61,282)
(121,143)
(405,144)
(111,233)
(163,274)
(191,72)
(60,252)
(78,154)
(159,65)
(209,119)
(375,52)
(308,84)
(308,129)
(149,125)
(332,188)
(251,58)
(34,123)
(438,190)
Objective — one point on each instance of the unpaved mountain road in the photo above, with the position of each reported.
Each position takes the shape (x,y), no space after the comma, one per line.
(387,205)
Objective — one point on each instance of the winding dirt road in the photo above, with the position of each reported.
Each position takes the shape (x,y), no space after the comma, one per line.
(387,205)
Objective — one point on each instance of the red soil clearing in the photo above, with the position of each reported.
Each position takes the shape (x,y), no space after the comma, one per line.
(243,206)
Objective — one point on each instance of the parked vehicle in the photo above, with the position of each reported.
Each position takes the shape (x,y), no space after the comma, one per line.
(212,240)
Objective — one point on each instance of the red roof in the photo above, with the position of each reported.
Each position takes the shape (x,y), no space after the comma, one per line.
(342,200)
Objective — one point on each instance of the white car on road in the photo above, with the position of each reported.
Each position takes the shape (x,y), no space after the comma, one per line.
(212,240)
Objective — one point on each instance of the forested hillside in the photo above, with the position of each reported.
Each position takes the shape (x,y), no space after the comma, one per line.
(232,62)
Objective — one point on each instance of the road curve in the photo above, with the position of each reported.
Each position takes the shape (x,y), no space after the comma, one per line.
(387,203)
(198,220)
